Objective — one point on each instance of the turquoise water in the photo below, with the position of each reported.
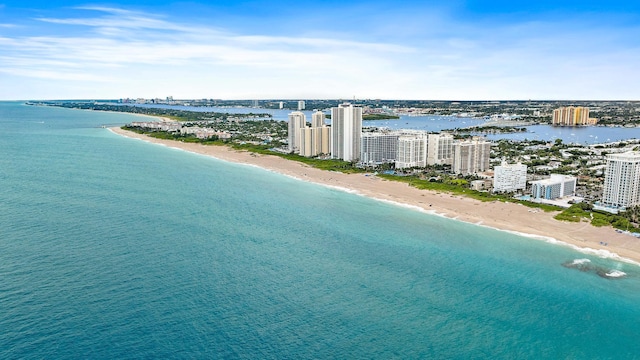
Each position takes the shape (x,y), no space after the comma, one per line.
(115,248)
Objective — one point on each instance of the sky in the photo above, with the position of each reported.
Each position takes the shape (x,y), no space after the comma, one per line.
(378,49)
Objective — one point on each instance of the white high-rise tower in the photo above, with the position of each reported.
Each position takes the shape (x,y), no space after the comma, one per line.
(297,121)
(346,132)
(622,180)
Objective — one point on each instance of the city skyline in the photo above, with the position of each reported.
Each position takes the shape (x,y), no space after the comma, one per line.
(462,50)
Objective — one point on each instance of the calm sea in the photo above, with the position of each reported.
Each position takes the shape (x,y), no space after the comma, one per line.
(113,248)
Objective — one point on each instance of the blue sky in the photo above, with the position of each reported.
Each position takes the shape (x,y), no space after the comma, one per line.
(453,50)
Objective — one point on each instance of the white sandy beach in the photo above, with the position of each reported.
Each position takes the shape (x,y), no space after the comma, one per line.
(504,216)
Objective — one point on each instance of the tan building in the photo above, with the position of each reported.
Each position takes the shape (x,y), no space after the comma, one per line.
(471,156)
(314,140)
(572,116)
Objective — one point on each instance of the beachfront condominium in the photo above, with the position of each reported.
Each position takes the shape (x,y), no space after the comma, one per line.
(317,119)
(622,181)
(412,151)
(314,140)
(379,147)
(297,121)
(439,149)
(556,186)
(346,132)
(509,177)
(471,156)
(572,116)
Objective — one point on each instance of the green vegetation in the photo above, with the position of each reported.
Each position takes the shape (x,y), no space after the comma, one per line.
(322,164)
(373,116)
(487,130)
(379,117)
(584,212)
(165,135)
(177,115)
(328,164)
(459,187)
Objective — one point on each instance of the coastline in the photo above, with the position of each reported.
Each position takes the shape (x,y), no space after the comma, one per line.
(514,218)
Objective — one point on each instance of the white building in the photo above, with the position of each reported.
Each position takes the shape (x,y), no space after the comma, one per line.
(471,156)
(556,186)
(301,105)
(439,149)
(622,181)
(412,151)
(509,177)
(346,132)
(378,148)
(297,121)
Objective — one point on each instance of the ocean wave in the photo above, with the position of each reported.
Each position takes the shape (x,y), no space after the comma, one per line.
(581,261)
(601,253)
(616,273)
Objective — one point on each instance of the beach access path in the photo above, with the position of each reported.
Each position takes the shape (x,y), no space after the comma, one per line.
(602,241)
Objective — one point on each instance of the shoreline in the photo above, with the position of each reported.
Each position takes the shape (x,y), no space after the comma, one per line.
(510,217)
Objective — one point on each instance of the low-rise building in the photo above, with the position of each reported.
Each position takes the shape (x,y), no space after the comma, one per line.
(556,186)
(509,177)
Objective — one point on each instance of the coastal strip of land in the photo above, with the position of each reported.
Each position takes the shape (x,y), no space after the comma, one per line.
(601,241)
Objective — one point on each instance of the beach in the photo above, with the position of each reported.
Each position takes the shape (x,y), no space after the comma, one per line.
(516,218)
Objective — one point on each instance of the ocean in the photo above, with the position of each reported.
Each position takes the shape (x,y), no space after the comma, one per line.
(113,248)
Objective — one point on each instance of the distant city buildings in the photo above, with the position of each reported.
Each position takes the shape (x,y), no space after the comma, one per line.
(509,177)
(556,186)
(346,132)
(622,181)
(471,156)
(301,105)
(572,116)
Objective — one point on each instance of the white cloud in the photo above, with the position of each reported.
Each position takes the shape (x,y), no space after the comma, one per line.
(129,51)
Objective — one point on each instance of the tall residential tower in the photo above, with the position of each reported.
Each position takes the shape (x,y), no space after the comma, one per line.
(622,180)
(346,132)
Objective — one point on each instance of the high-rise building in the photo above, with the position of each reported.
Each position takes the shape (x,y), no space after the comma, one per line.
(301,105)
(622,181)
(471,156)
(378,148)
(412,151)
(440,149)
(556,186)
(346,131)
(297,121)
(314,141)
(317,119)
(509,177)
(572,116)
